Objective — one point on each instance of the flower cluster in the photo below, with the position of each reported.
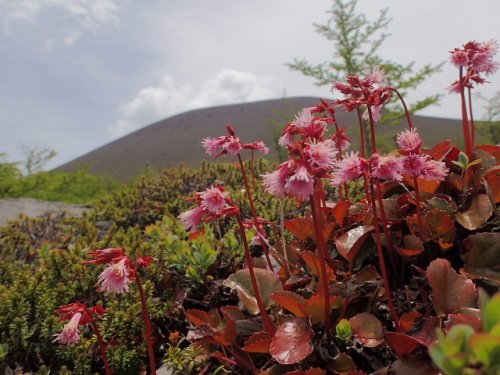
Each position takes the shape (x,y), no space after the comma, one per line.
(212,203)
(119,273)
(476,58)
(77,314)
(362,92)
(230,144)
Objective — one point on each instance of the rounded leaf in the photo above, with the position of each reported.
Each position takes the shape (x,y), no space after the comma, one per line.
(292,341)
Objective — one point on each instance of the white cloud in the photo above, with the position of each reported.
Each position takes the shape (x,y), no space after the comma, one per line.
(156,103)
(81,14)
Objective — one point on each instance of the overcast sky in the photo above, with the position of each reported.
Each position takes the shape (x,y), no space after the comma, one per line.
(77,74)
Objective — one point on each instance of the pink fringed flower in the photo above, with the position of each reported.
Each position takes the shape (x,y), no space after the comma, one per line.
(303,119)
(192,218)
(321,154)
(455,88)
(459,58)
(275,181)
(376,75)
(350,167)
(435,170)
(259,145)
(301,183)
(386,167)
(409,140)
(222,145)
(70,334)
(375,110)
(413,165)
(212,145)
(115,278)
(214,199)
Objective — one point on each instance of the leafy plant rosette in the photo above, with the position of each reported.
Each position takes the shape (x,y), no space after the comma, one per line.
(383,285)
(366,286)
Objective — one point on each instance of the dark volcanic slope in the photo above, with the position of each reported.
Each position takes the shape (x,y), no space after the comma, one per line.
(168,142)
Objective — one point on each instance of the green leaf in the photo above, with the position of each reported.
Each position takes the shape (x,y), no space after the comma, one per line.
(486,347)
(343,329)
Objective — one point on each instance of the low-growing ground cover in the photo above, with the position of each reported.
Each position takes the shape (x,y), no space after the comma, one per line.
(275,271)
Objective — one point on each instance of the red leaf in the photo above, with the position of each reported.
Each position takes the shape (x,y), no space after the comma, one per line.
(199,318)
(232,312)
(312,260)
(413,366)
(439,151)
(407,320)
(291,301)
(258,343)
(301,228)
(402,344)
(230,332)
(315,371)
(471,320)
(367,329)
(339,212)
(412,246)
(494,185)
(292,341)
(315,307)
(350,242)
(427,332)
(441,225)
(451,291)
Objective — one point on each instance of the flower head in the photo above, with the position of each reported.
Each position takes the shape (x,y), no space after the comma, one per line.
(115,278)
(214,199)
(413,165)
(409,140)
(301,183)
(192,218)
(105,256)
(303,119)
(350,167)
(275,181)
(70,334)
(435,170)
(386,167)
(321,154)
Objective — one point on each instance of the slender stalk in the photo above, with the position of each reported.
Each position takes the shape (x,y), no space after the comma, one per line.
(419,210)
(472,124)
(262,309)
(465,121)
(258,227)
(372,130)
(408,117)
(322,250)
(102,347)
(147,325)
(362,133)
(382,264)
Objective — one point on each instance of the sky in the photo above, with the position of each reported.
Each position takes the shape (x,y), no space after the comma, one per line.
(77,74)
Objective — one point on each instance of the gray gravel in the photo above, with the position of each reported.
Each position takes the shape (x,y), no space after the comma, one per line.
(10,209)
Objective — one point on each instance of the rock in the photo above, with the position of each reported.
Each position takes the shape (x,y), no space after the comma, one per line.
(11,208)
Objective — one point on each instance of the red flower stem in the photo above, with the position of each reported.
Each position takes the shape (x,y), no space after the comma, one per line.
(254,213)
(386,230)
(147,324)
(102,347)
(382,264)
(408,117)
(419,210)
(361,133)
(262,309)
(472,124)
(322,250)
(372,130)
(465,121)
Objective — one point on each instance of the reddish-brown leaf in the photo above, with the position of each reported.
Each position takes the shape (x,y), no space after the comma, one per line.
(199,318)
(427,332)
(413,366)
(451,291)
(315,307)
(482,256)
(301,228)
(292,341)
(315,371)
(407,320)
(339,212)
(441,225)
(494,186)
(314,263)
(343,363)
(258,343)
(367,329)
(439,151)
(291,301)
(477,214)
(230,331)
(412,246)
(403,345)
(471,320)
(232,312)
(350,242)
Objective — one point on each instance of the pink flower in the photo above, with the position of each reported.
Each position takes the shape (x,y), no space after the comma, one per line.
(214,199)
(375,110)
(259,145)
(192,218)
(349,168)
(344,89)
(275,181)
(70,334)
(459,58)
(286,139)
(386,167)
(413,165)
(455,88)
(340,140)
(232,145)
(489,48)
(321,154)
(105,256)
(434,170)
(303,119)
(409,140)
(115,278)
(376,75)
(212,145)
(301,183)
